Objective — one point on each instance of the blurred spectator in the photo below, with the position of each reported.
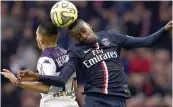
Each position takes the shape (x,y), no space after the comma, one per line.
(10,96)
(140,62)
(149,71)
(30,99)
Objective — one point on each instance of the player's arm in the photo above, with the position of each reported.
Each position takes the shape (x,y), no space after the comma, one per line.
(45,66)
(136,42)
(58,81)
(32,86)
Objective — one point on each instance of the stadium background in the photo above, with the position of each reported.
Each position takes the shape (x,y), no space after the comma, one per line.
(149,70)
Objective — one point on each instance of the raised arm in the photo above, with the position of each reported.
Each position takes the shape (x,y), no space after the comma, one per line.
(137,42)
(149,41)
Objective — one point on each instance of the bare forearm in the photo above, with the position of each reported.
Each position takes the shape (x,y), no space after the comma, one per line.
(34,86)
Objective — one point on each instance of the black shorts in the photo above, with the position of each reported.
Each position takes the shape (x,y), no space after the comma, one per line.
(103,101)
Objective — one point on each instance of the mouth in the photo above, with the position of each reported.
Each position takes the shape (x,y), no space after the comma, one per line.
(90,40)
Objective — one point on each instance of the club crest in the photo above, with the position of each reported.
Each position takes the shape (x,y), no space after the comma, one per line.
(105,42)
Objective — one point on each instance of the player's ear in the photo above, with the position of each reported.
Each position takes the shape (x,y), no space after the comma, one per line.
(41,40)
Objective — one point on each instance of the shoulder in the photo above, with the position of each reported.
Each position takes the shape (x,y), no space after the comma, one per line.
(46,53)
(116,37)
(45,60)
(74,48)
(112,36)
(62,50)
(77,50)
(108,34)
(46,64)
(51,52)
(102,34)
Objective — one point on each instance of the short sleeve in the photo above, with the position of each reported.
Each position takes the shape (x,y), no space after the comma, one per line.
(46,66)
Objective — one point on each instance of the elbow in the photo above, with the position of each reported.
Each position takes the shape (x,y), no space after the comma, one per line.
(62,83)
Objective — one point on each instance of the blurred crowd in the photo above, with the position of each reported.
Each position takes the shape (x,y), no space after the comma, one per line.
(149,70)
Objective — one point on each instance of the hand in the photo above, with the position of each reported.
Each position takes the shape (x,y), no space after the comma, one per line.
(168,26)
(9,75)
(27,75)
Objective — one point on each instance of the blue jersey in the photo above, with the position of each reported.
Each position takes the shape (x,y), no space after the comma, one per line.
(100,63)
(101,66)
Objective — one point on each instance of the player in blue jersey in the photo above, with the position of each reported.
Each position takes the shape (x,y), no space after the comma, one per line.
(50,63)
(97,57)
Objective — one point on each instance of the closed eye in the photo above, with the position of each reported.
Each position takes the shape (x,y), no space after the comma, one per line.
(83,30)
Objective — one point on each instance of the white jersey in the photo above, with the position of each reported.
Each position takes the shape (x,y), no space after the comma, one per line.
(48,66)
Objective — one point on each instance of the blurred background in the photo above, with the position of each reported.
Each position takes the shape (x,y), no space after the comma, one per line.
(149,70)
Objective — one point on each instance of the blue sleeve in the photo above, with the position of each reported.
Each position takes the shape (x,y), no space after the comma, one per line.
(60,80)
(65,73)
(129,42)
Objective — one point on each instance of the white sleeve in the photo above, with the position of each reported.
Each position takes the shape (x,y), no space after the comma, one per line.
(46,66)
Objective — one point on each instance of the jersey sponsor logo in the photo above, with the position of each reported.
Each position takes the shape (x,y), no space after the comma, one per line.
(99,55)
(86,51)
(57,73)
(64,93)
(62,59)
(105,42)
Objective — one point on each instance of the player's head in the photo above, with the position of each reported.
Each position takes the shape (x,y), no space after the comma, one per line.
(82,32)
(47,35)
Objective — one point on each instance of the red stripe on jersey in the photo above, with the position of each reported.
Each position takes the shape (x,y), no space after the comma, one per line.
(105,82)
(97,45)
(105,71)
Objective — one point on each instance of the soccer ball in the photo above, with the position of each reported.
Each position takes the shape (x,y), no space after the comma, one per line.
(63,13)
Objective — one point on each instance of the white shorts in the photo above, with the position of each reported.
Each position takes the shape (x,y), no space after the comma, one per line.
(57,102)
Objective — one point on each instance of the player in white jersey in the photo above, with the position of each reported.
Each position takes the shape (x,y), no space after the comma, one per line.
(50,63)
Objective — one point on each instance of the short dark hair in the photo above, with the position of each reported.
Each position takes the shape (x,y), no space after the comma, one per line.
(48,29)
(74,24)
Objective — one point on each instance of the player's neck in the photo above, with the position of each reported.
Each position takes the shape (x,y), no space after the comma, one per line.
(48,46)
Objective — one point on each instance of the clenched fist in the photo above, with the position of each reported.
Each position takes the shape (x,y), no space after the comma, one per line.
(168,26)
(27,75)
